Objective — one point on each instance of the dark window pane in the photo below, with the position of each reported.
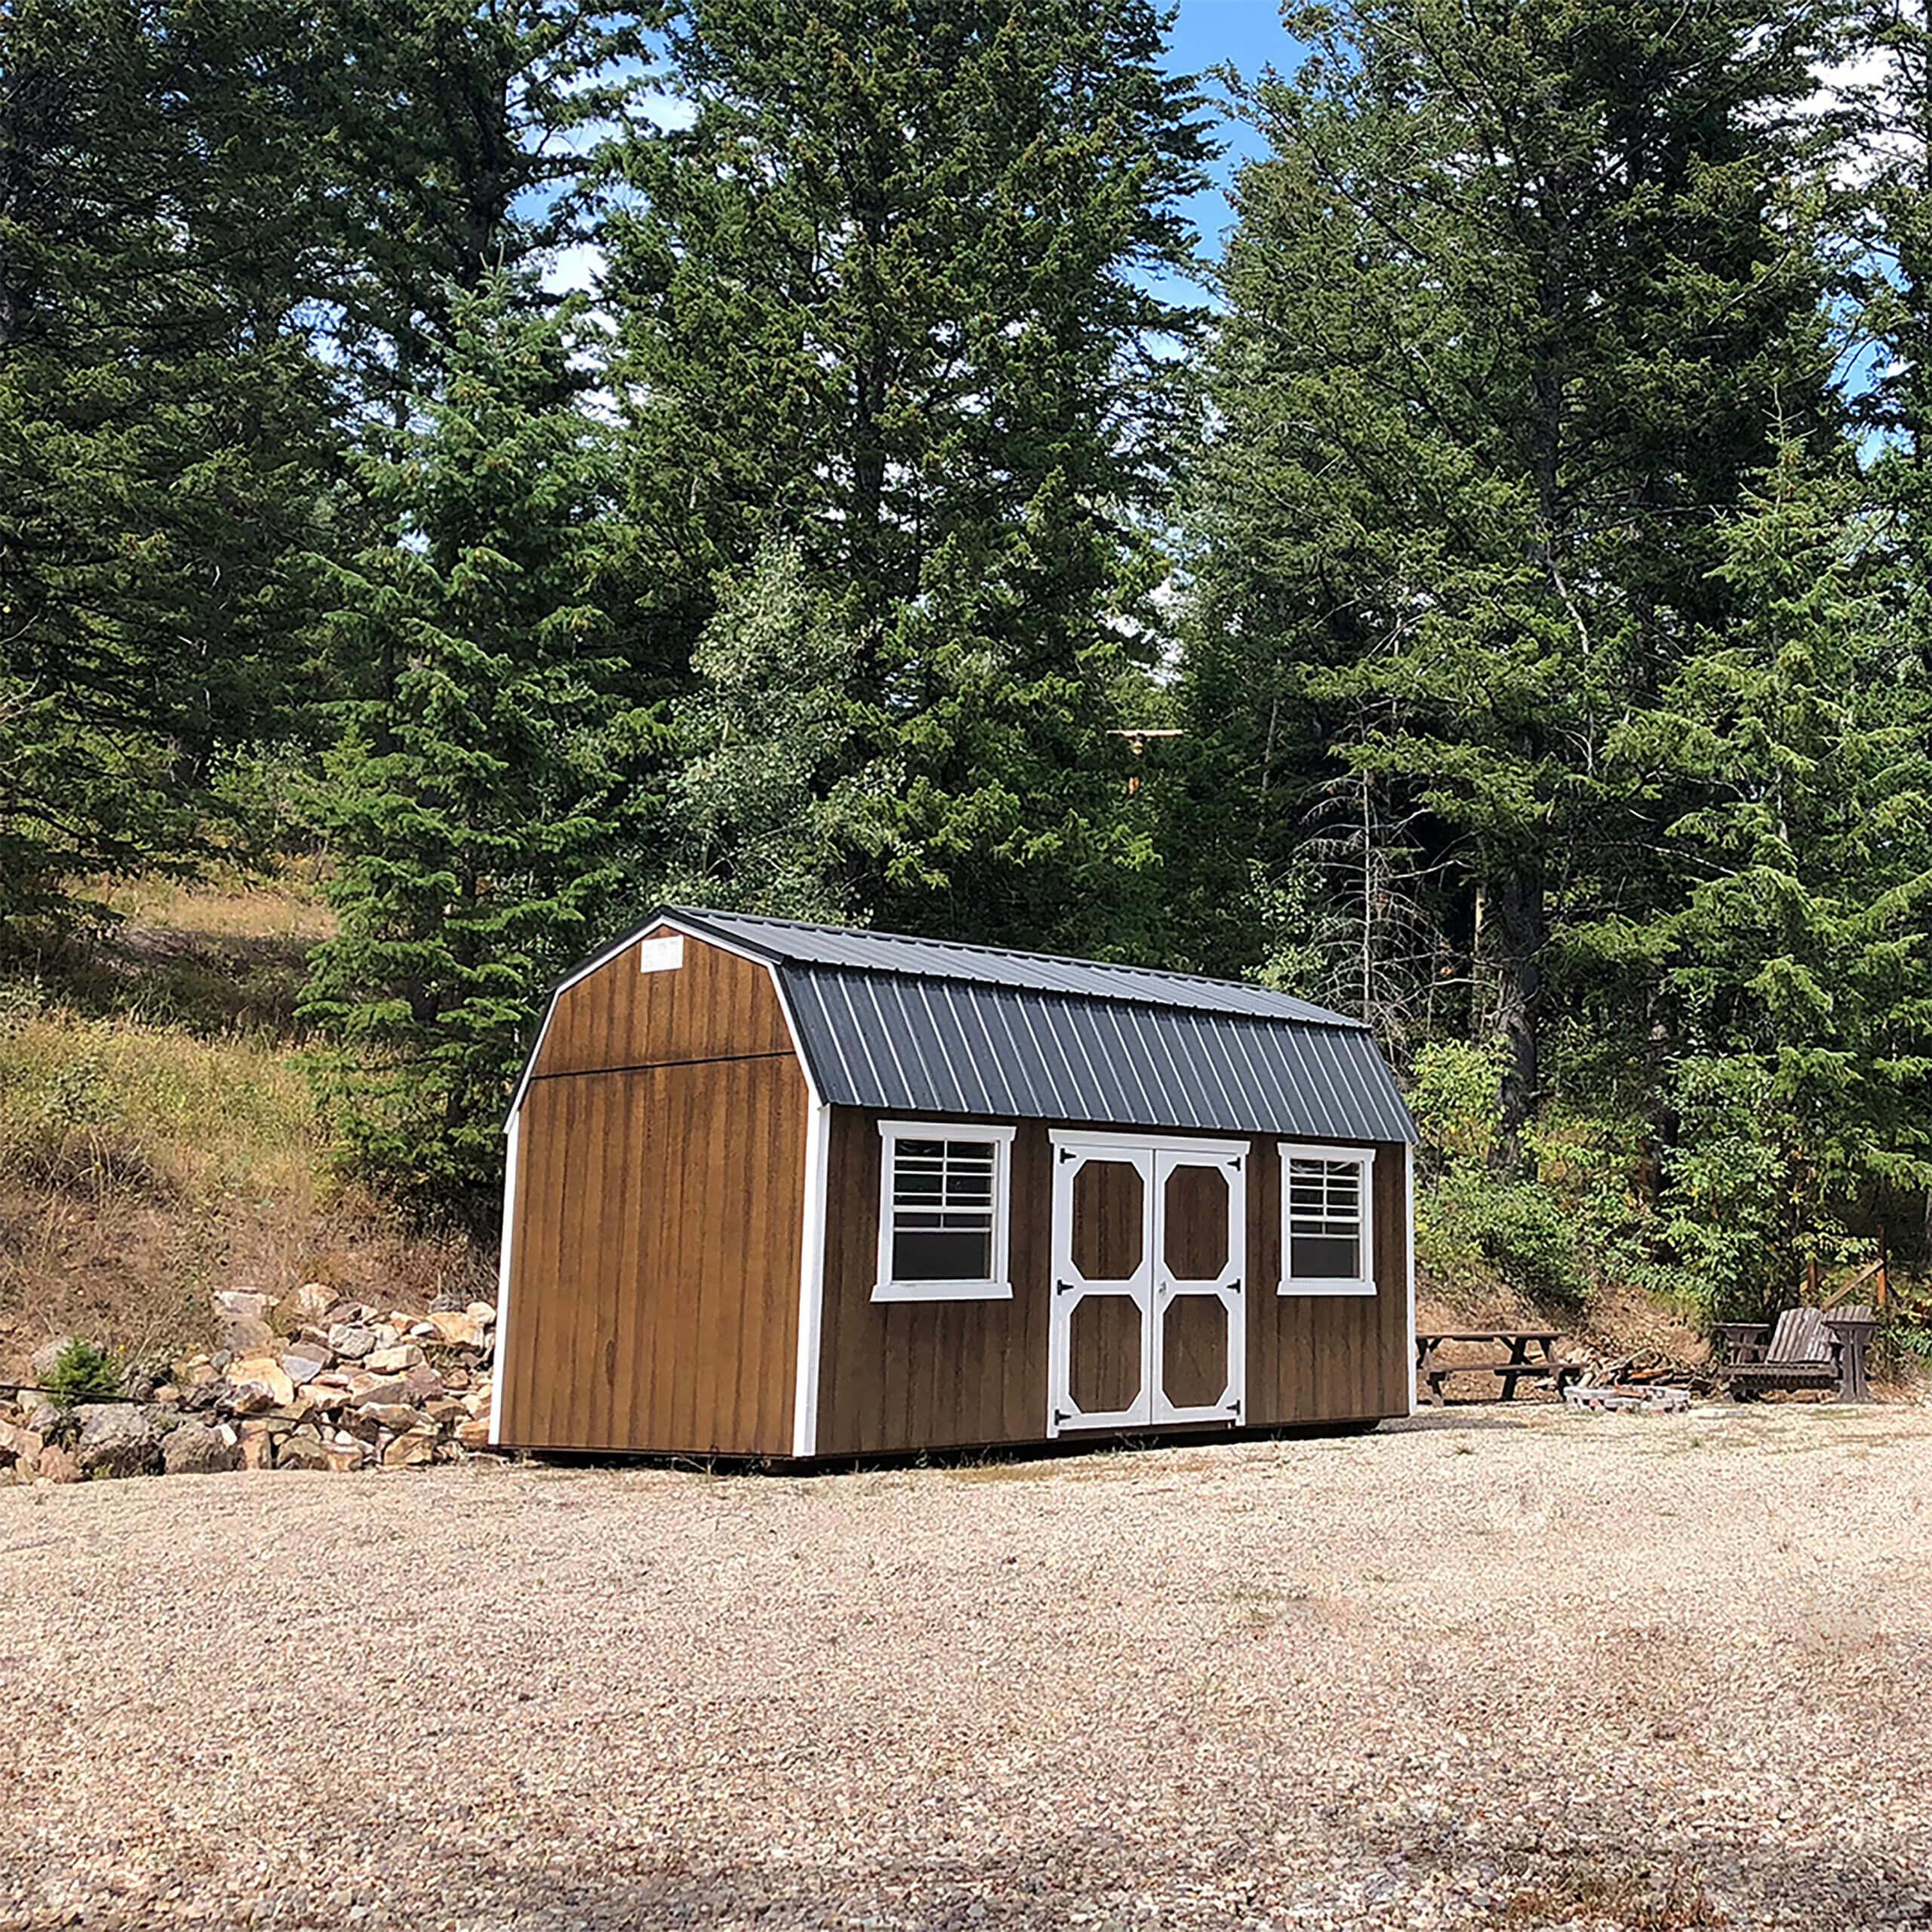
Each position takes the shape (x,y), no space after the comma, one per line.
(1324,1258)
(951,1255)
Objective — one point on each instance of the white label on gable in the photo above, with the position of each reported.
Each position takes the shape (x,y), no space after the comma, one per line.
(661,955)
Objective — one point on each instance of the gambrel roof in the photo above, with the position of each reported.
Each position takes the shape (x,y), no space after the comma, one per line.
(921,1026)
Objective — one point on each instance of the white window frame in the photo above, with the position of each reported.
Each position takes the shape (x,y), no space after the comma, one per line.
(1363,1158)
(999,1286)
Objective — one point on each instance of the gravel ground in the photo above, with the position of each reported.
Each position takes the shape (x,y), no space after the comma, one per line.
(1550,1670)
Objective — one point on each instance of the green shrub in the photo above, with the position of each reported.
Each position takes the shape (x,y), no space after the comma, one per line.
(83,1372)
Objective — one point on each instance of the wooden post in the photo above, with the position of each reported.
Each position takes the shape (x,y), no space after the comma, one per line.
(1884,1286)
(1811,1280)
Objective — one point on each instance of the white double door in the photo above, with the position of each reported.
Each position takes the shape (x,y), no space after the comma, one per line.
(1149,1254)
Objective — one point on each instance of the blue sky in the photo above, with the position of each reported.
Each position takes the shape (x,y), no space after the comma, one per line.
(1246,35)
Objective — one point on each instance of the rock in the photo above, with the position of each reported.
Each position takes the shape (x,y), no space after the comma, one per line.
(387,1334)
(309,1303)
(197,1449)
(301,1449)
(241,1323)
(397,1418)
(410,1450)
(425,1384)
(47,1357)
(351,1340)
(58,1465)
(195,1372)
(483,1313)
(375,1390)
(45,1419)
(118,1439)
(392,1361)
(304,1362)
(462,1330)
(257,1444)
(447,1409)
(20,1445)
(258,1383)
(474,1434)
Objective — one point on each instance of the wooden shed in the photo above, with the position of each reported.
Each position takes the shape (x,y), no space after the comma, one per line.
(778,1190)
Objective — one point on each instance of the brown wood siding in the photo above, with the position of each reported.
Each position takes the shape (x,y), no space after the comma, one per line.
(656,1236)
(715,1006)
(1326,1358)
(916,1375)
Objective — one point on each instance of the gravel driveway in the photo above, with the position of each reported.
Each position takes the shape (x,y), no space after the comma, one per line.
(1661,1673)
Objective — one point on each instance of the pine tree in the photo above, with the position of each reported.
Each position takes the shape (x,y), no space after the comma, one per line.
(456,134)
(1514,303)
(1796,962)
(888,296)
(164,426)
(480,809)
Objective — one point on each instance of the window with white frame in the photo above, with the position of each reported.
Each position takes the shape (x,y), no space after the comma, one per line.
(942,1212)
(1327,1232)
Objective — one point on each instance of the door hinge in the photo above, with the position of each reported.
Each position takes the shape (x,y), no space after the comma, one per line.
(1067,1154)
(1234,1286)
(1061,1418)
(1063,1288)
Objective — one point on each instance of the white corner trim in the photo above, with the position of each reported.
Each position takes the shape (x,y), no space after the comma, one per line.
(812,1280)
(1409,1235)
(811,1233)
(1000,1286)
(512,1134)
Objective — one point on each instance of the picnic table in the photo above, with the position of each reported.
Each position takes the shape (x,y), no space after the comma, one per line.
(1519,1363)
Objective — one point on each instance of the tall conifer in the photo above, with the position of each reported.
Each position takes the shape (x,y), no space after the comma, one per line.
(891,295)
(479,807)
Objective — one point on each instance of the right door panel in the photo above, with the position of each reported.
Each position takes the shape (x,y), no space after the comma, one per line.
(1200,1254)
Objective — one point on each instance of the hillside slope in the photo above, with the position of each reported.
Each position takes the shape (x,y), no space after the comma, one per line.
(158,1138)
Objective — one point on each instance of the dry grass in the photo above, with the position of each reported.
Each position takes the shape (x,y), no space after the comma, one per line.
(158,1137)
(228,904)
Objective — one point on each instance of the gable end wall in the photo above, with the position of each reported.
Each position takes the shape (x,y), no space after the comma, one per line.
(656,1230)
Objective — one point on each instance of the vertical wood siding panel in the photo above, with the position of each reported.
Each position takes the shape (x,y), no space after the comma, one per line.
(634,1229)
(715,1006)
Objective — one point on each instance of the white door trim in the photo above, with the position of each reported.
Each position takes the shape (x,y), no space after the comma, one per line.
(1069,1287)
(1075,1136)
(1154,1157)
(1228,1287)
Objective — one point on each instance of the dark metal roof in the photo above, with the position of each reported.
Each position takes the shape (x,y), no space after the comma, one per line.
(792,943)
(924,1026)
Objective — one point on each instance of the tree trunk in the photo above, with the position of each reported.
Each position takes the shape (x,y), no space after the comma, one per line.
(1518,928)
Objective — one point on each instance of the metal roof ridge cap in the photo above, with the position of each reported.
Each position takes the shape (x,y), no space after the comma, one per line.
(1320,1017)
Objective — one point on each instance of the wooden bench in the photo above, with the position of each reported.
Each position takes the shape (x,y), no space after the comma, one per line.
(1808,1348)
(1517,1365)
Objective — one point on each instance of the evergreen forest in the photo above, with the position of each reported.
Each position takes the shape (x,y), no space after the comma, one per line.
(539,460)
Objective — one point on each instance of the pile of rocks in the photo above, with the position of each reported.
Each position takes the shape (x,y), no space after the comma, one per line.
(314,1382)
